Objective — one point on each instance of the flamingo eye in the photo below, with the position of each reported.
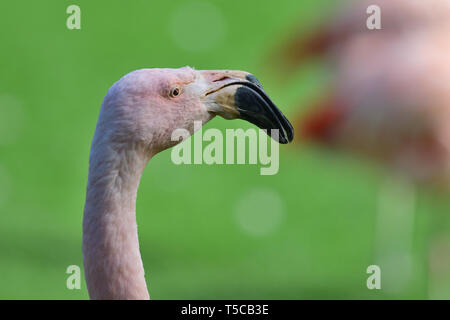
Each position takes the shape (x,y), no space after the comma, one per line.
(175,92)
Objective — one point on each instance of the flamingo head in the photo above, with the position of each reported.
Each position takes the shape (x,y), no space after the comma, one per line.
(147,105)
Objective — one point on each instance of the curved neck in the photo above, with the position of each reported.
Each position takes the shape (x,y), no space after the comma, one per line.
(112,260)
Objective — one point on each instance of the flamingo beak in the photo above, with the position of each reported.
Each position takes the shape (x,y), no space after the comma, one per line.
(238,94)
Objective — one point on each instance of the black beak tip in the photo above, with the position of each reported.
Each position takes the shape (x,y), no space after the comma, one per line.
(255,106)
(282,138)
(290,132)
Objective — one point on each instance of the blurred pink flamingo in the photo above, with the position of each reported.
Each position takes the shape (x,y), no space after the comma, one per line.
(389,98)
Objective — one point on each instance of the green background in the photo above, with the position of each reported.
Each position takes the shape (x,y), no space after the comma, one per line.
(52,82)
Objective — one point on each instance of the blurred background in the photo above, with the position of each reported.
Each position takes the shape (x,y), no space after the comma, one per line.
(224,231)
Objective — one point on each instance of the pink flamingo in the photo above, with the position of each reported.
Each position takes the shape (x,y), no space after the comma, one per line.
(389,100)
(137,118)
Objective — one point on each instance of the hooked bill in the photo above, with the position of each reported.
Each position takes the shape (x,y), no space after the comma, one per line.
(246,99)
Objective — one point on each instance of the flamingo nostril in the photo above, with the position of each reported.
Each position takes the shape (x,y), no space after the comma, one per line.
(221,79)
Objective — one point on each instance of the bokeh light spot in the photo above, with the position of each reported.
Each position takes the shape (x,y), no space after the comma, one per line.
(260,211)
(197,26)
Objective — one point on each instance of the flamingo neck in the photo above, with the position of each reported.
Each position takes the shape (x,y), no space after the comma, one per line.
(112,260)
